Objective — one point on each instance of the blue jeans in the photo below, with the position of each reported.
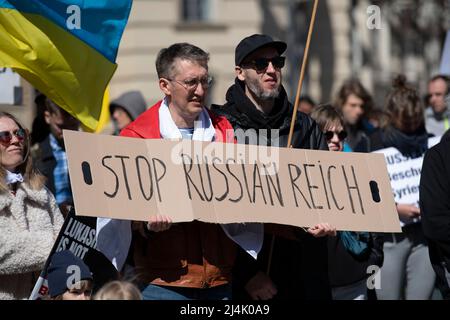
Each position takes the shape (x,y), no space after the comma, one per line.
(154,292)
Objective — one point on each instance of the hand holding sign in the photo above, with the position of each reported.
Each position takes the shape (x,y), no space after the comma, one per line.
(322,230)
(261,287)
(159,223)
(408,211)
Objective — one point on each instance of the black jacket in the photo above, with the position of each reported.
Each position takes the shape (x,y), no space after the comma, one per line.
(435,209)
(346,269)
(45,162)
(358,136)
(299,267)
(242,114)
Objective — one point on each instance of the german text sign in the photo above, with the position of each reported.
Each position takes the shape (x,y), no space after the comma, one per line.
(404,174)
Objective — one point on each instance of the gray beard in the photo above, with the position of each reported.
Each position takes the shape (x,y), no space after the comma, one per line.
(259,92)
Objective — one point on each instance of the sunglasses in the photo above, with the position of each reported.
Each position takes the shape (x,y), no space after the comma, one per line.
(192,84)
(330,134)
(261,64)
(6,136)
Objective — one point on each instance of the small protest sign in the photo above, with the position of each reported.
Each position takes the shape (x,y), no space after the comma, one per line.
(78,235)
(404,174)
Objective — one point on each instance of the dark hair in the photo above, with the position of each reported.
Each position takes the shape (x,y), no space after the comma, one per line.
(444,78)
(354,86)
(82,285)
(326,115)
(404,107)
(53,108)
(307,99)
(39,128)
(184,51)
(379,116)
(30,174)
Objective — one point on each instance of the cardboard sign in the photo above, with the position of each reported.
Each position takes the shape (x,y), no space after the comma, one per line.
(78,235)
(404,174)
(128,178)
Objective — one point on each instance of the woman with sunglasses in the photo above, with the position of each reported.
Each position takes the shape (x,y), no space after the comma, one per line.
(407,272)
(331,124)
(29,216)
(349,253)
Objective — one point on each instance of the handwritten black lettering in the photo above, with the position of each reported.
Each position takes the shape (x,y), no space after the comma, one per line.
(310,186)
(257,186)
(295,186)
(116,189)
(324,186)
(354,187)
(331,189)
(188,177)
(125,176)
(222,197)
(158,178)
(246,182)
(234,176)
(208,198)
(276,188)
(138,168)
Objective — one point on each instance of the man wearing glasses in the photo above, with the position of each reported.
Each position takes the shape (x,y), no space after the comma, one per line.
(257,100)
(190,260)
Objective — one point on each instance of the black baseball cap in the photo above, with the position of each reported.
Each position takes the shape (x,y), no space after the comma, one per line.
(254,42)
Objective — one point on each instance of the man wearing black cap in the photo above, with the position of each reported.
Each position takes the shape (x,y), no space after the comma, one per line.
(257,100)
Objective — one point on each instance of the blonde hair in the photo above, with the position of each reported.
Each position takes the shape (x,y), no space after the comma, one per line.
(118,290)
(26,168)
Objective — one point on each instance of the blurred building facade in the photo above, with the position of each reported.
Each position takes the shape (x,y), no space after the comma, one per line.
(372,40)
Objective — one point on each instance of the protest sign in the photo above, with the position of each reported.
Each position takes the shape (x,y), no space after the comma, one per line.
(78,235)
(404,174)
(128,178)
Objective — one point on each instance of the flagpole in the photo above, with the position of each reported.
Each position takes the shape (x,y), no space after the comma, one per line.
(297,100)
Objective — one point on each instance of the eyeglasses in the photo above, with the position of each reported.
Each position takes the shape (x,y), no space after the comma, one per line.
(261,64)
(192,84)
(330,134)
(6,136)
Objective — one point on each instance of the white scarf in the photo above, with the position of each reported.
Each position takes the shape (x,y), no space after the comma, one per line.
(249,236)
(12,177)
(203,127)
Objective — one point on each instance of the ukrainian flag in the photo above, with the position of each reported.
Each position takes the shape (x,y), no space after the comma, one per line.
(65,48)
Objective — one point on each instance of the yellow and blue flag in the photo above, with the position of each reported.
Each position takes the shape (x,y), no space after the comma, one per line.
(64,48)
